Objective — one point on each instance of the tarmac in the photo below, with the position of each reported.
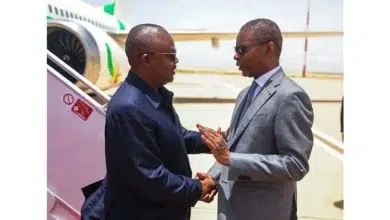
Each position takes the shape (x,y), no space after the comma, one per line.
(317,192)
(209,99)
(222,89)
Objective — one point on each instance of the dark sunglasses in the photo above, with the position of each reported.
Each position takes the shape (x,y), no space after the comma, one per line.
(171,56)
(241,50)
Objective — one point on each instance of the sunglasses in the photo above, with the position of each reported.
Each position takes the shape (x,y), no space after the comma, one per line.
(241,50)
(170,56)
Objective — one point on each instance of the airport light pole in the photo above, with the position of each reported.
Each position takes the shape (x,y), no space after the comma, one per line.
(304,69)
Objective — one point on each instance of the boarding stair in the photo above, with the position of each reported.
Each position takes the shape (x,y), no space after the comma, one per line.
(75,140)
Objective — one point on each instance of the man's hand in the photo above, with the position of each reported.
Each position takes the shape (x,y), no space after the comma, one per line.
(225,134)
(207,193)
(216,142)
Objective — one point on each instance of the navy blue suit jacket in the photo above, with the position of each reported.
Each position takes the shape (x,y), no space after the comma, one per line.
(148,170)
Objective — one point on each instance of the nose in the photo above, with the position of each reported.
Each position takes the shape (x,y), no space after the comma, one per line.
(235,57)
(176,60)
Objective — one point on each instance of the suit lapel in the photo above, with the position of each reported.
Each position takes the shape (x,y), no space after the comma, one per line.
(237,108)
(270,88)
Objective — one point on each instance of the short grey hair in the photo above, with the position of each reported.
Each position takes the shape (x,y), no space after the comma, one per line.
(265,30)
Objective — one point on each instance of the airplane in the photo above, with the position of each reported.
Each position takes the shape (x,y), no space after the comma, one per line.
(91,39)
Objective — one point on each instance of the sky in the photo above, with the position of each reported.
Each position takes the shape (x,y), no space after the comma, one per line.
(324,54)
(326,15)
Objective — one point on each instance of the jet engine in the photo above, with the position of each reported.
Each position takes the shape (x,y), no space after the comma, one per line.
(89,51)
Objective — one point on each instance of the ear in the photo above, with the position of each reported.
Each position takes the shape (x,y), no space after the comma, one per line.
(270,48)
(145,59)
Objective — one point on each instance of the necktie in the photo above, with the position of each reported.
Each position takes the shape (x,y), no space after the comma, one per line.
(247,101)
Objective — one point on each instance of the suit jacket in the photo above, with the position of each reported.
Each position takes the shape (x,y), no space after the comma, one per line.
(93,206)
(148,170)
(270,150)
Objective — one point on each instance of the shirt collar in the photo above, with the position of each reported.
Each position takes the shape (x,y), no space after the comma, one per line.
(154,97)
(261,80)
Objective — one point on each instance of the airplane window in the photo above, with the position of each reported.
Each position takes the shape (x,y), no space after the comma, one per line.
(62,13)
(67,14)
(50,9)
(56,10)
(71,14)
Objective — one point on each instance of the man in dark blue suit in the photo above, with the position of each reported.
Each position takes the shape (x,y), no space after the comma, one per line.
(148,170)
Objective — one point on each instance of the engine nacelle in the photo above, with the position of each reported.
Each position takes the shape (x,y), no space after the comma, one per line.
(88,50)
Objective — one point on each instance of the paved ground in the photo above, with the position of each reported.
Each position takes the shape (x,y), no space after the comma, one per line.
(320,193)
(217,89)
(321,189)
(317,192)
(228,86)
(326,95)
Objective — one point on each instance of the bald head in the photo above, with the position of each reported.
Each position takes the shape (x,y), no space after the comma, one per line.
(141,39)
(265,30)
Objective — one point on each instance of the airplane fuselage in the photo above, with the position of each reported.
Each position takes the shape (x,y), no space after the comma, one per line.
(76,10)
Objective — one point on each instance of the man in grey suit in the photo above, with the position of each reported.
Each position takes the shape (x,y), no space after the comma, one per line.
(269,141)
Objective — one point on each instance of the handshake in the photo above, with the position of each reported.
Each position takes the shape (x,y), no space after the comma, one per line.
(209,187)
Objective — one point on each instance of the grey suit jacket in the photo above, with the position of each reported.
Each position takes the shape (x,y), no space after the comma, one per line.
(270,150)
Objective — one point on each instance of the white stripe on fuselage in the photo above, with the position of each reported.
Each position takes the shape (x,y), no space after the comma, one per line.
(84,10)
